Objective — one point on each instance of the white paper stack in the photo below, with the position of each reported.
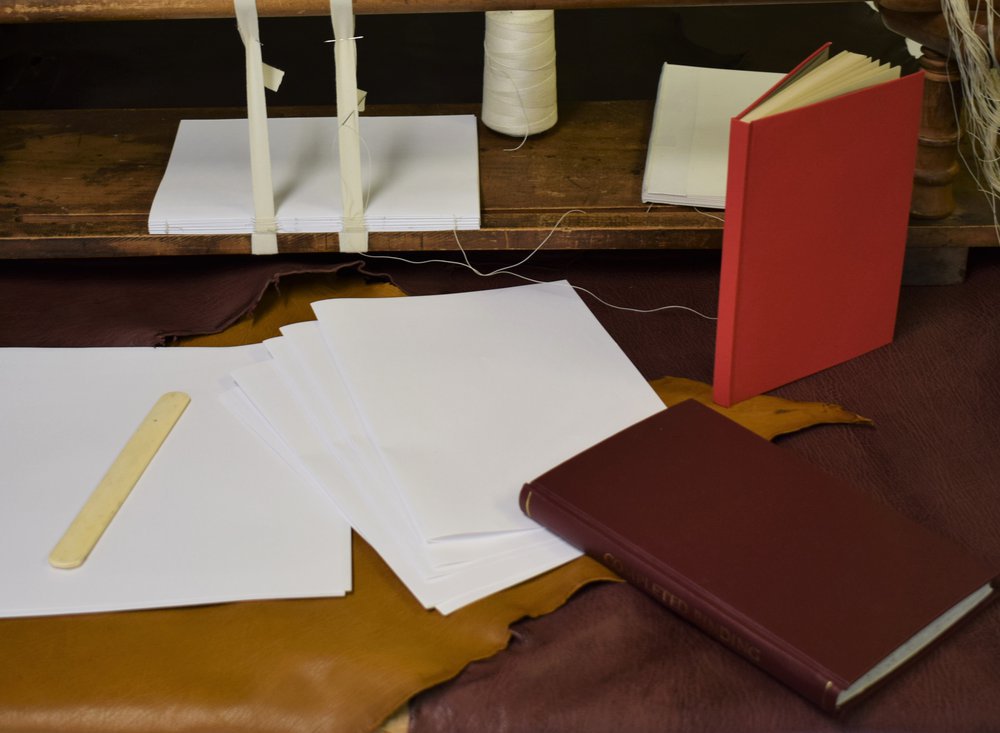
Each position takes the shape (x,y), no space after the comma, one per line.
(414,420)
(688,153)
(213,518)
(419,174)
(422,418)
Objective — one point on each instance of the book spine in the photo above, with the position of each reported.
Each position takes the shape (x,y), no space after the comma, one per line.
(732,235)
(679,596)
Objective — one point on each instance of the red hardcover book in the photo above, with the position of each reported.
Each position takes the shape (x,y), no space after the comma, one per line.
(812,580)
(817,206)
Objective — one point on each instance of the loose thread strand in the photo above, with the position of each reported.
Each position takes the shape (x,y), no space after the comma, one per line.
(508,270)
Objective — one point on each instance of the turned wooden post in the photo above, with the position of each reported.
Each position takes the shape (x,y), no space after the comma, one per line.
(937,148)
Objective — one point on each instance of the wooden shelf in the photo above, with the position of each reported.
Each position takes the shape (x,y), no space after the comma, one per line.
(52,11)
(80,183)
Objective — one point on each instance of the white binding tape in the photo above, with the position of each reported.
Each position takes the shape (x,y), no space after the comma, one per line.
(354,237)
(272,77)
(264,240)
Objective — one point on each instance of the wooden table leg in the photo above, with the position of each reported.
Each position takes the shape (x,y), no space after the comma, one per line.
(937,154)
(937,149)
(937,166)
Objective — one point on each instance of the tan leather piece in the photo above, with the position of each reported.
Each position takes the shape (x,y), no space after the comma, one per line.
(289,301)
(319,665)
(766,415)
(324,665)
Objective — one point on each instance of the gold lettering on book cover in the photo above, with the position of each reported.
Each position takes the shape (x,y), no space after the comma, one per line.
(724,634)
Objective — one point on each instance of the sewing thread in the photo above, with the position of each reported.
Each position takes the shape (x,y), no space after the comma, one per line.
(519,72)
(509,270)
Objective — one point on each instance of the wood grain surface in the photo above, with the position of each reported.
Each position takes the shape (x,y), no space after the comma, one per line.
(47,11)
(80,183)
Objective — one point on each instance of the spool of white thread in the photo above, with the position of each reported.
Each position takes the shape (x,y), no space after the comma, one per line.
(519,72)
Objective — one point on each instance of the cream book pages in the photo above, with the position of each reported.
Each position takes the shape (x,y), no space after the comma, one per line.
(843,73)
(688,152)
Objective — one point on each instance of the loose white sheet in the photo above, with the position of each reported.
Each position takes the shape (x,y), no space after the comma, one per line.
(381,522)
(468,396)
(419,174)
(302,357)
(688,153)
(214,518)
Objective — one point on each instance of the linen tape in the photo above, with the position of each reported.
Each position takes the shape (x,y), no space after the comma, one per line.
(272,77)
(354,236)
(264,239)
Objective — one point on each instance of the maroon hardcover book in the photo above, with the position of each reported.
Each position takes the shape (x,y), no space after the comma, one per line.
(820,585)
